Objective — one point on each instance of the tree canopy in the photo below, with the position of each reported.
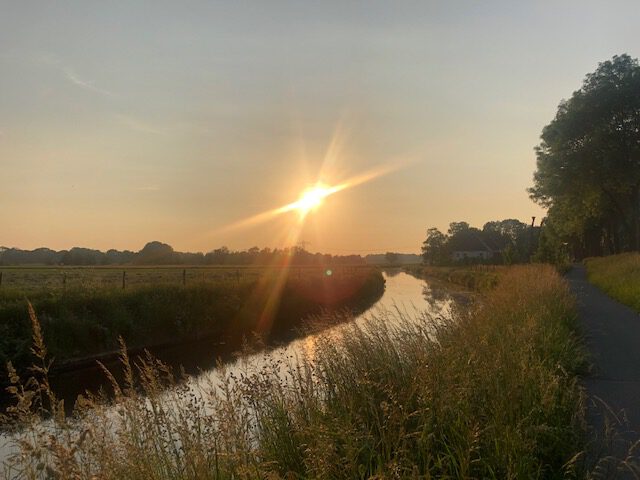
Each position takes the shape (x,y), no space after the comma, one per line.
(588,164)
(505,241)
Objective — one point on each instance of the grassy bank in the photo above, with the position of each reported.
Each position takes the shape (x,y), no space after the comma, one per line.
(491,394)
(618,276)
(78,322)
(478,278)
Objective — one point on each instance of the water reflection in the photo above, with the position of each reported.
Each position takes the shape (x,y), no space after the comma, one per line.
(405,297)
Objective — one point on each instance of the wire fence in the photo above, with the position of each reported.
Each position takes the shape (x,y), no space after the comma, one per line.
(62,278)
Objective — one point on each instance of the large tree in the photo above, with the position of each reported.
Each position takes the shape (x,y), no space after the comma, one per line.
(588,162)
(434,248)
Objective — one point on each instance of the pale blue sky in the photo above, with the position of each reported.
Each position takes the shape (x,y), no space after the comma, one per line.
(123,122)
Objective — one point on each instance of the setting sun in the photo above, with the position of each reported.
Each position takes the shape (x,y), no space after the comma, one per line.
(312,198)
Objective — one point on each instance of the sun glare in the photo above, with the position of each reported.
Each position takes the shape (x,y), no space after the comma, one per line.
(312,198)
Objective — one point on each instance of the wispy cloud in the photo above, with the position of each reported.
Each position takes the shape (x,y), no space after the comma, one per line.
(70,74)
(74,78)
(138,125)
(147,188)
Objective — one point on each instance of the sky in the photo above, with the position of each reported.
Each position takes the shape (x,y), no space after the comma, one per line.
(126,122)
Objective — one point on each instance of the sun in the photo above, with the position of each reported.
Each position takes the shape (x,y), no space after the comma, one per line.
(312,198)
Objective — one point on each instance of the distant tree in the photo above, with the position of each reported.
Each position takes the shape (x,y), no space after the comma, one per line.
(457,227)
(468,238)
(588,163)
(156,253)
(434,248)
(218,256)
(391,258)
(511,237)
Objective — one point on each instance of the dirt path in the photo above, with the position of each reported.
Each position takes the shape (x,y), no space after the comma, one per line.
(612,333)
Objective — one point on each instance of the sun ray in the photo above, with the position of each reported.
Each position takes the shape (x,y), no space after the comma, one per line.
(312,197)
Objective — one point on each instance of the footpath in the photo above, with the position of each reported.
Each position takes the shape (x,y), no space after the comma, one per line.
(612,332)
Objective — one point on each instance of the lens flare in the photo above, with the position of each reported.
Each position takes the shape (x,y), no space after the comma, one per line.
(313,197)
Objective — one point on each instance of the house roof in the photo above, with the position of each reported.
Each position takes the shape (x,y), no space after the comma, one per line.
(471,241)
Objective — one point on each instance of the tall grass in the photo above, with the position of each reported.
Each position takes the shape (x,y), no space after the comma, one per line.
(489,394)
(479,278)
(618,276)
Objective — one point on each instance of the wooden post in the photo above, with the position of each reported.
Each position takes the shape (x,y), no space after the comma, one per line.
(0,279)
(64,281)
(184,277)
(238,276)
(533,222)
(124,279)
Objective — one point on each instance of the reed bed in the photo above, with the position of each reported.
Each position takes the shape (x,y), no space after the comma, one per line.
(491,393)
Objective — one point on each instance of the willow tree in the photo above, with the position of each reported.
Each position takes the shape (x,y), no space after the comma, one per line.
(588,161)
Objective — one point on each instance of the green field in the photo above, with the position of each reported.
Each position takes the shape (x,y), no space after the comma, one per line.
(26,279)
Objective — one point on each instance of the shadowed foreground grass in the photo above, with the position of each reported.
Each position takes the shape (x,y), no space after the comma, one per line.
(492,394)
(618,276)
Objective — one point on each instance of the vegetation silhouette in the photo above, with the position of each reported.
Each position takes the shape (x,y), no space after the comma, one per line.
(498,242)
(588,167)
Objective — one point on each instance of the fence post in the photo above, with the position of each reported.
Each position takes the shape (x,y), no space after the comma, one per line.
(124,279)
(64,281)
(238,276)
(0,279)
(184,277)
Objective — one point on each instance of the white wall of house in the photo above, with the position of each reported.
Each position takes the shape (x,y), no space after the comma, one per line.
(475,254)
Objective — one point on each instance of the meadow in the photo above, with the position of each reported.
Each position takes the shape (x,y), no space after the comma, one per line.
(618,276)
(492,393)
(84,316)
(27,279)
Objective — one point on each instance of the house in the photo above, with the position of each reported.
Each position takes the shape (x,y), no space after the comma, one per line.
(472,248)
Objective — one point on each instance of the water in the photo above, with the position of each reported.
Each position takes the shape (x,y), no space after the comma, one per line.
(403,292)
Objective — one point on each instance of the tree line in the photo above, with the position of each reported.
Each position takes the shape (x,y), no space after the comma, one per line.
(588,167)
(501,241)
(158,253)
(587,177)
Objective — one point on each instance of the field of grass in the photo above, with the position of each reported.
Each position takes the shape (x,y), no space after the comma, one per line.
(83,321)
(491,394)
(618,276)
(478,278)
(27,279)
